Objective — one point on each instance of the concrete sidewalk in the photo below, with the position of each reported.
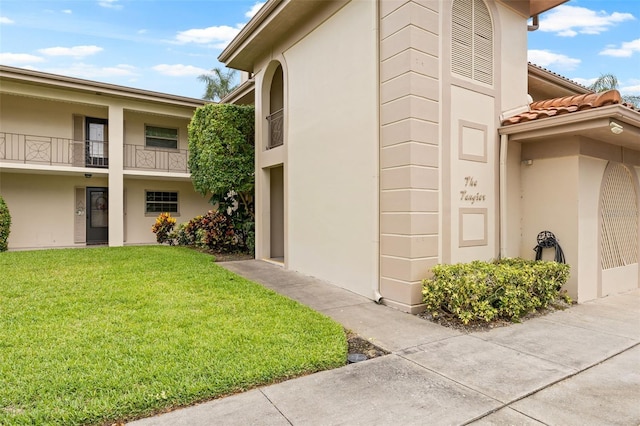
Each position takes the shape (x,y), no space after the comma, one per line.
(575,367)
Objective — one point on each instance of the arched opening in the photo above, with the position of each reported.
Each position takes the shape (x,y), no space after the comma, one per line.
(276,110)
(618,230)
(274,170)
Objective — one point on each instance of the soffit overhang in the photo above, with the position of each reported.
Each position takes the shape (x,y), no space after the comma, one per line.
(541,79)
(530,8)
(274,22)
(72,84)
(593,123)
(243,94)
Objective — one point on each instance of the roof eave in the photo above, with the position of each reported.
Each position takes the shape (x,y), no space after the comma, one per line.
(530,8)
(579,123)
(55,80)
(536,7)
(251,26)
(239,92)
(543,74)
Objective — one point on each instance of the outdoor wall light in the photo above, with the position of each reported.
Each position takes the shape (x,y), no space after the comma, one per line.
(616,128)
(88,175)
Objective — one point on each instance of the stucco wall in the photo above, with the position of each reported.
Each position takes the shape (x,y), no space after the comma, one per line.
(550,200)
(591,172)
(42,208)
(332,148)
(473,176)
(41,117)
(134,127)
(137,224)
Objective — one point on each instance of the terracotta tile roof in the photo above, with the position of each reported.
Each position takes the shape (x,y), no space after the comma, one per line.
(566,105)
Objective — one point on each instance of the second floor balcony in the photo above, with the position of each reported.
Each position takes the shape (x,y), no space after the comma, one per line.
(53,151)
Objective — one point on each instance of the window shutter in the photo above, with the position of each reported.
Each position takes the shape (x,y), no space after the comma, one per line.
(461,41)
(482,44)
(472,41)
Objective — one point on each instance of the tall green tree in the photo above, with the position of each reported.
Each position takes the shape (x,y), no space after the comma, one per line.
(221,154)
(219,83)
(610,82)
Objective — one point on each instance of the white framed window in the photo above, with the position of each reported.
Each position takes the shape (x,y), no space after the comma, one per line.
(161,202)
(160,137)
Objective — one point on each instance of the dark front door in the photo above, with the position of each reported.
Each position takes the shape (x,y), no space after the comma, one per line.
(97,215)
(97,146)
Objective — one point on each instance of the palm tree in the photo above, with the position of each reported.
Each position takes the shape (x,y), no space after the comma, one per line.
(219,83)
(609,82)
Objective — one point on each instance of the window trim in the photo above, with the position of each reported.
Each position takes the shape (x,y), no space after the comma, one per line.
(177,139)
(156,213)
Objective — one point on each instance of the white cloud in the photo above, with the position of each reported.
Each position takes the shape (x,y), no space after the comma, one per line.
(76,51)
(142,31)
(569,21)
(92,72)
(5,20)
(632,89)
(110,4)
(19,58)
(254,9)
(219,36)
(626,49)
(586,82)
(545,58)
(67,11)
(179,70)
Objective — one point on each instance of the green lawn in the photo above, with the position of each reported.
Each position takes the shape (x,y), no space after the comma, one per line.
(98,335)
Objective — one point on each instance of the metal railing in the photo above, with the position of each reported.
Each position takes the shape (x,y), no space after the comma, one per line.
(276,134)
(144,158)
(47,150)
(30,149)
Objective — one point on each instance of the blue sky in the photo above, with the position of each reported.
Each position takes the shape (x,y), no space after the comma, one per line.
(163,45)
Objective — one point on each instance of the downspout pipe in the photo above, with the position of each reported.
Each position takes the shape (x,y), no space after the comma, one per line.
(504,139)
(535,24)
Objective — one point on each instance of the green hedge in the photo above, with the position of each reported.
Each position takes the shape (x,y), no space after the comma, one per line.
(487,291)
(5,224)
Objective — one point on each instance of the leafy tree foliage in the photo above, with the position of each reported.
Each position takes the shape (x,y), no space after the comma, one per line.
(610,82)
(221,155)
(219,83)
(5,224)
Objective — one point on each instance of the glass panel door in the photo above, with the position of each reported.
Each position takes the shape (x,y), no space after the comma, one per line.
(97,215)
(97,147)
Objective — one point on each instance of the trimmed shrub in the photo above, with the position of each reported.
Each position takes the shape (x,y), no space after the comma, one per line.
(5,225)
(213,231)
(163,227)
(486,291)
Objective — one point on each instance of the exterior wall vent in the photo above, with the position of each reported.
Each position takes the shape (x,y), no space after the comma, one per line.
(618,218)
(472,41)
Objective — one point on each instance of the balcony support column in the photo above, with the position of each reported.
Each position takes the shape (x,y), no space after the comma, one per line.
(116,177)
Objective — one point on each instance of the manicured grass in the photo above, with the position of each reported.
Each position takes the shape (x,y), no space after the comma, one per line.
(97,335)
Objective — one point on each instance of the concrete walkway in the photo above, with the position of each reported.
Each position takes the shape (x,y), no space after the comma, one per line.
(576,367)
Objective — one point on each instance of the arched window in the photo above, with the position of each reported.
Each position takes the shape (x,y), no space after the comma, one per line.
(276,109)
(472,41)
(618,218)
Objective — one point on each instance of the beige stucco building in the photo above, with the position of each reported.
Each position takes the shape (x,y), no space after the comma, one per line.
(84,163)
(383,146)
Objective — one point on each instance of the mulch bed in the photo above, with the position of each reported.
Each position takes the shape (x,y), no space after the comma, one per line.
(474,326)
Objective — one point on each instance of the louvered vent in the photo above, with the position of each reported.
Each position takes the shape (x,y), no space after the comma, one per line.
(472,41)
(619,219)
